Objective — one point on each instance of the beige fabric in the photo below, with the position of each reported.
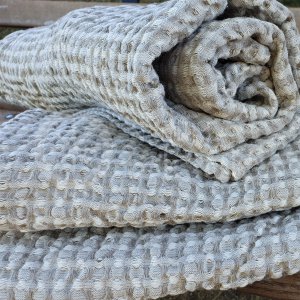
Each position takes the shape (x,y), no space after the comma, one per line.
(127,263)
(105,57)
(78,170)
(194,120)
(237,92)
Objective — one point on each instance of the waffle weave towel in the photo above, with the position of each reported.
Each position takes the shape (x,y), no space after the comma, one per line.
(160,153)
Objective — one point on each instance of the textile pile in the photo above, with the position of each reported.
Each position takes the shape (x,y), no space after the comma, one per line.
(159,153)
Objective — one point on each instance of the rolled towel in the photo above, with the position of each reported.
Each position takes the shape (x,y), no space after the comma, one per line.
(237,79)
(241,73)
(106,57)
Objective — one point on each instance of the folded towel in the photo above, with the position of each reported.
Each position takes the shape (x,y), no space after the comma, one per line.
(77,169)
(127,263)
(150,117)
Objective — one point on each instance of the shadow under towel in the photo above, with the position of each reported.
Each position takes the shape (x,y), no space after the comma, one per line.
(160,153)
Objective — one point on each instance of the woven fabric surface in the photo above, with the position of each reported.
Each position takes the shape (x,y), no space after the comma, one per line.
(160,153)
(147,263)
(106,56)
(78,169)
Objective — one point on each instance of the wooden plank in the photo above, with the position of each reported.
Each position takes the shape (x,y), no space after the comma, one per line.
(29,13)
(25,13)
(296,12)
(8,112)
(287,288)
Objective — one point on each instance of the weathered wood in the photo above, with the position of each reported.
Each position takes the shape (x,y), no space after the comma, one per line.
(26,13)
(286,288)
(7,112)
(31,13)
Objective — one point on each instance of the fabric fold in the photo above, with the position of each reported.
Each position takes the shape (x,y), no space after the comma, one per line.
(236,74)
(77,169)
(104,56)
(222,90)
(146,263)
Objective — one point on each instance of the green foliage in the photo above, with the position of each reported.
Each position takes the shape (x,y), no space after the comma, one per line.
(4,31)
(292,3)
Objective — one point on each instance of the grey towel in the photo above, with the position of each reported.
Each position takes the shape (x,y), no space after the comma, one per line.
(151,117)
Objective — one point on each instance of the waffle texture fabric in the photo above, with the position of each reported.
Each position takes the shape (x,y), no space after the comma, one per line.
(160,154)
(78,169)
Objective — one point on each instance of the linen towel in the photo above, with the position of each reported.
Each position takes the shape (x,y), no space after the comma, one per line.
(160,154)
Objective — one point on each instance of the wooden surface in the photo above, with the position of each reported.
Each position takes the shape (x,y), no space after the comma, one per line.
(31,13)
(7,112)
(286,288)
(296,12)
